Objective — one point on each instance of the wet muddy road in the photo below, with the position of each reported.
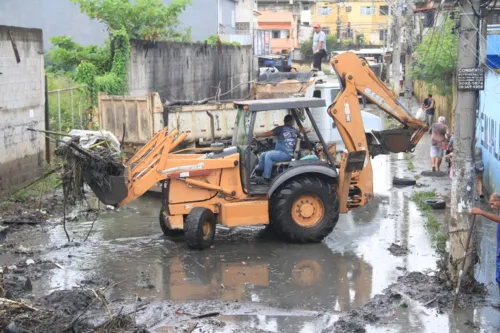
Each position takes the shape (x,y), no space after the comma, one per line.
(257,283)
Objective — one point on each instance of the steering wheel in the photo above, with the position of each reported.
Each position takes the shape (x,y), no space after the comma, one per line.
(260,145)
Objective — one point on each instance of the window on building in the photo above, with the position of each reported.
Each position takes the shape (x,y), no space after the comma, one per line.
(324,11)
(243,27)
(384,10)
(281,34)
(326,30)
(493,18)
(382,35)
(367,10)
(306,7)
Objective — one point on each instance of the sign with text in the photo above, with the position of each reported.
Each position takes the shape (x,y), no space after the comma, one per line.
(470,79)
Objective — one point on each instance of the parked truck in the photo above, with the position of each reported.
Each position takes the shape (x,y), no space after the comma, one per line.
(135,120)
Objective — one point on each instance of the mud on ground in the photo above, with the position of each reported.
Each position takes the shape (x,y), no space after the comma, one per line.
(80,310)
(430,291)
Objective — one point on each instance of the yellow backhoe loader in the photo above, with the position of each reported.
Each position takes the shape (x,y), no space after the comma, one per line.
(306,195)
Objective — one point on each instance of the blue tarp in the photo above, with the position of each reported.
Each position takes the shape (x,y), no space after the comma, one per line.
(493,51)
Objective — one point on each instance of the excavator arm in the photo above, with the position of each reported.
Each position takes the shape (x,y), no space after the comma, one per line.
(356,178)
(358,79)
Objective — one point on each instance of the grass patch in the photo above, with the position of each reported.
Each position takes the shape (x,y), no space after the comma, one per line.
(409,160)
(38,189)
(417,177)
(438,238)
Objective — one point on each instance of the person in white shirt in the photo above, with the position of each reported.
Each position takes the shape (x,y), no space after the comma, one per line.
(319,47)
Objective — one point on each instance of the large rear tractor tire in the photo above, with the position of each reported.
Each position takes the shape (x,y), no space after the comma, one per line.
(304,210)
(174,233)
(200,228)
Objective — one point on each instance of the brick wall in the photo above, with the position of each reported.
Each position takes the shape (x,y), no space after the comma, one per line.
(21,107)
(179,71)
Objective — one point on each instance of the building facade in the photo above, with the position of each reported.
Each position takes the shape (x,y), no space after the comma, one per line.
(488,120)
(361,21)
(301,13)
(283,35)
(62,17)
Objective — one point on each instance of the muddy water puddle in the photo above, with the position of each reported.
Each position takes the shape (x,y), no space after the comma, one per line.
(257,283)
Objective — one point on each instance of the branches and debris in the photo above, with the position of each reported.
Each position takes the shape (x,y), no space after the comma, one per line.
(91,157)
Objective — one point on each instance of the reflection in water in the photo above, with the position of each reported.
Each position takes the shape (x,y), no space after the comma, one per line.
(341,273)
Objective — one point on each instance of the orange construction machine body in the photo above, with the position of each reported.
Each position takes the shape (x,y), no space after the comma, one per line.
(202,188)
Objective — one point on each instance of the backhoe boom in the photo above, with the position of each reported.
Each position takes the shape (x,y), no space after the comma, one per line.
(355,187)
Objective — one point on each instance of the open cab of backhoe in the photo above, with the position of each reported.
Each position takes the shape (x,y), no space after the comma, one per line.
(310,148)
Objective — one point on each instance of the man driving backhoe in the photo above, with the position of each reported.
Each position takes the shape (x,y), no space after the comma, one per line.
(283,151)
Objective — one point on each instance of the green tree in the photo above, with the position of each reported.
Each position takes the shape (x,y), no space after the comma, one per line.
(113,82)
(360,39)
(141,19)
(436,57)
(66,55)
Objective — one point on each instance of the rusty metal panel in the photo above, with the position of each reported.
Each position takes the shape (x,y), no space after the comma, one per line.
(132,113)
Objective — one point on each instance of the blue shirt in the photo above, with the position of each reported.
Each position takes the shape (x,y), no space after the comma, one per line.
(286,139)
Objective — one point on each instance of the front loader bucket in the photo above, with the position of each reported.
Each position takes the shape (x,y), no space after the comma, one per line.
(110,191)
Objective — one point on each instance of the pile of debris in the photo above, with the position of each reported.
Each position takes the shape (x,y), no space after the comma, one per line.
(92,158)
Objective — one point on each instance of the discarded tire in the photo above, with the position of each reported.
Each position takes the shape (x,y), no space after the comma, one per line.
(200,228)
(304,210)
(166,230)
(436,204)
(403,181)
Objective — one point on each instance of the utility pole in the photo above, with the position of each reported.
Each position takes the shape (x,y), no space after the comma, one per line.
(338,23)
(408,83)
(396,48)
(387,44)
(462,184)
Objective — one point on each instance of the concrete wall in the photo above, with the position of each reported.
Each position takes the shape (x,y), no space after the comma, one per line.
(488,130)
(62,17)
(189,71)
(21,106)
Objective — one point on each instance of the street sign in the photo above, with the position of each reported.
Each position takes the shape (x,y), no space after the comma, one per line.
(470,79)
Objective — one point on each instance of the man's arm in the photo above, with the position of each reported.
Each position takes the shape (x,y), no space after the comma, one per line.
(492,217)
(265,134)
(432,104)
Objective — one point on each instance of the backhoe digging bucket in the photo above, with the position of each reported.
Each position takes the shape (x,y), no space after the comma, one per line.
(395,140)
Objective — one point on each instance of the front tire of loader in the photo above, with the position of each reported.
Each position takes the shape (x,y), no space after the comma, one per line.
(304,210)
(174,233)
(200,228)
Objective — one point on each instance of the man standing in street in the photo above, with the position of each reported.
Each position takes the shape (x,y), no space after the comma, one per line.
(439,132)
(495,205)
(429,107)
(319,47)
